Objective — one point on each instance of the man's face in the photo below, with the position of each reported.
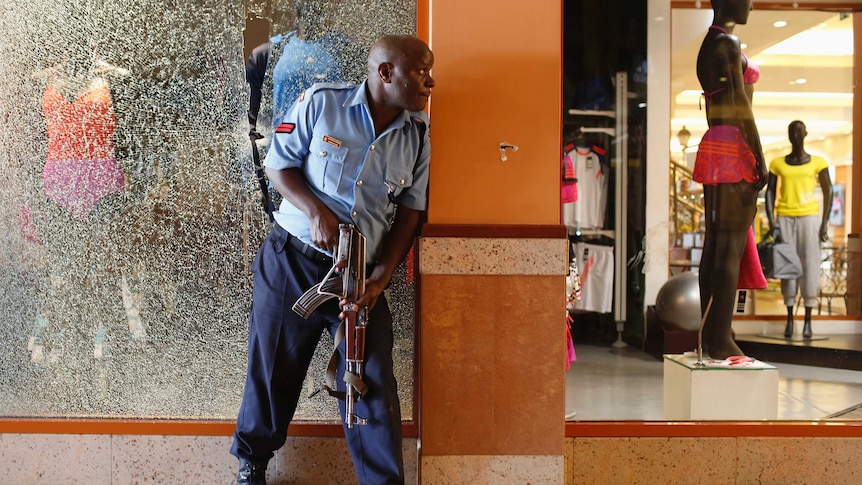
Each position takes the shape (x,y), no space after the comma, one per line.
(411,81)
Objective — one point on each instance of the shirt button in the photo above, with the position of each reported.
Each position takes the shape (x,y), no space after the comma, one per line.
(353,213)
(372,148)
(401,181)
(359,183)
(323,153)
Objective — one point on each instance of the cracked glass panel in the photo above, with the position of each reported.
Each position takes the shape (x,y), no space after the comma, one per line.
(130,206)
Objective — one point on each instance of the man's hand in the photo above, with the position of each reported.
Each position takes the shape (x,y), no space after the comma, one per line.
(373,289)
(324,230)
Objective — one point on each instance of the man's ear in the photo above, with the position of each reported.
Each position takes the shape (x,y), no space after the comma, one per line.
(384,70)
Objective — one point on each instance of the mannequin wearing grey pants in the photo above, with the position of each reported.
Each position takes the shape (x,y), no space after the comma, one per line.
(805,232)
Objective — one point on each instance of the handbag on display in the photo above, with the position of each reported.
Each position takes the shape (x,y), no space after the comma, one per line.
(779,260)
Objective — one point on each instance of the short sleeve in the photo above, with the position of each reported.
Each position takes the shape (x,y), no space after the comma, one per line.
(822,164)
(292,136)
(774,166)
(416,197)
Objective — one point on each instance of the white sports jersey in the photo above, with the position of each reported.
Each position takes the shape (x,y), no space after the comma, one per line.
(588,211)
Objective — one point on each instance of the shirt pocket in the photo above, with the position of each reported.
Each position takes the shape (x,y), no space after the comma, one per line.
(325,165)
(396,180)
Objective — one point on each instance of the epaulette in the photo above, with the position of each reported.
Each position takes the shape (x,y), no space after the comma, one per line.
(332,85)
(322,87)
(419,117)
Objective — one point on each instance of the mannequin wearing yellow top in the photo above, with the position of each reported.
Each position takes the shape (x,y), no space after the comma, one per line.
(797,217)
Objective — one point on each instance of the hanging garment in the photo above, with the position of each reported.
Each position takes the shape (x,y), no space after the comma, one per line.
(588,211)
(750,269)
(569,186)
(596,265)
(571,356)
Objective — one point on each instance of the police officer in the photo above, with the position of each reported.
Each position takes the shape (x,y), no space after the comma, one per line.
(342,154)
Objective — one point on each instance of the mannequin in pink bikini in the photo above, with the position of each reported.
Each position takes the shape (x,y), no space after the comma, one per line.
(731,167)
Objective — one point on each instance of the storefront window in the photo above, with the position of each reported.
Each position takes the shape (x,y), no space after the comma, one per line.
(131,211)
(621,376)
(806,64)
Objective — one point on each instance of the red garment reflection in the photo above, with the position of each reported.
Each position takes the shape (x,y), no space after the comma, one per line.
(80,167)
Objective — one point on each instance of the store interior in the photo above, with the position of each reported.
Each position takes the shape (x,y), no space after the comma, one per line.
(806,63)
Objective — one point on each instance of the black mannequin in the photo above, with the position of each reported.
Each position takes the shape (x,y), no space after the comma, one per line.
(730,205)
(797,132)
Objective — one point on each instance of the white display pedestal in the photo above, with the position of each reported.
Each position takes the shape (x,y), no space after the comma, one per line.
(717,391)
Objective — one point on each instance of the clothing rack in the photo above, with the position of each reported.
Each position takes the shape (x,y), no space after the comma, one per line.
(619,162)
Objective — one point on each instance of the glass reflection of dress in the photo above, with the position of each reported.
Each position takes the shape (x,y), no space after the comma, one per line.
(80,167)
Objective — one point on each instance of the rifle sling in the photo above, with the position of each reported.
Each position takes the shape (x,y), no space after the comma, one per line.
(354,380)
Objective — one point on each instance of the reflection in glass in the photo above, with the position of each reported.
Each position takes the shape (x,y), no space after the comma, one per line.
(131,210)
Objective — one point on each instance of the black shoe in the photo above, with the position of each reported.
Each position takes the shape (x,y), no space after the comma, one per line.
(250,473)
(788,330)
(806,330)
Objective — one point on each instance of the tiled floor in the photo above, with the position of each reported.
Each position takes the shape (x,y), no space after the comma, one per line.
(606,384)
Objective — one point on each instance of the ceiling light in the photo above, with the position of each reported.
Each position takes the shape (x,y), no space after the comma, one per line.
(801,80)
(780,23)
(743,46)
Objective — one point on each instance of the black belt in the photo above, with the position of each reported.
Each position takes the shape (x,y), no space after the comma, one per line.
(304,249)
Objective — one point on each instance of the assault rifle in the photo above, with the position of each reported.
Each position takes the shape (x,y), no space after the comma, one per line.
(346,280)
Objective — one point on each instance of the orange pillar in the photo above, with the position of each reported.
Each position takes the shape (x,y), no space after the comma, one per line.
(493,255)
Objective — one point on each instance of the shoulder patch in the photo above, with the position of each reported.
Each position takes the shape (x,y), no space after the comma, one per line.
(285,128)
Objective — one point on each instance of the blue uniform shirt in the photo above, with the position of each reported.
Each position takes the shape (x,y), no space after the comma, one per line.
(329,134)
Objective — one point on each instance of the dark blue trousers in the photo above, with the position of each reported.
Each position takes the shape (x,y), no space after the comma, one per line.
(280,348)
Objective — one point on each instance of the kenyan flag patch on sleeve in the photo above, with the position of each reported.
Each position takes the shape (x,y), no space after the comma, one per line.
(285,128)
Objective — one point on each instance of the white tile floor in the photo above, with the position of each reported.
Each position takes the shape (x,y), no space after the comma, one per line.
(606,384)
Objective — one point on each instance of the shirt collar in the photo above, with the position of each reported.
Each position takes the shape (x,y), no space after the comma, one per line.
(360,97)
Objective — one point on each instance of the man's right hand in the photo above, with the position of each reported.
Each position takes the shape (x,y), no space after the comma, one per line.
(324,230)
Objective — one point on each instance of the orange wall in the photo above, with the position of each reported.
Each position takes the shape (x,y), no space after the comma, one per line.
(498,69)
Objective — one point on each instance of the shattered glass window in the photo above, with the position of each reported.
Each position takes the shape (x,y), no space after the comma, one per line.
(131,209)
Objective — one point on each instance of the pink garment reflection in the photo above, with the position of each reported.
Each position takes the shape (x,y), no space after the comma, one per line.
(80,167)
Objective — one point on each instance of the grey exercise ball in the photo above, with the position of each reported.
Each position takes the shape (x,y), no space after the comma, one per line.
(677,304)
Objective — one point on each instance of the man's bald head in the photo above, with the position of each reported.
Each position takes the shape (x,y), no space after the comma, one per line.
(394,49)
(399,72)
